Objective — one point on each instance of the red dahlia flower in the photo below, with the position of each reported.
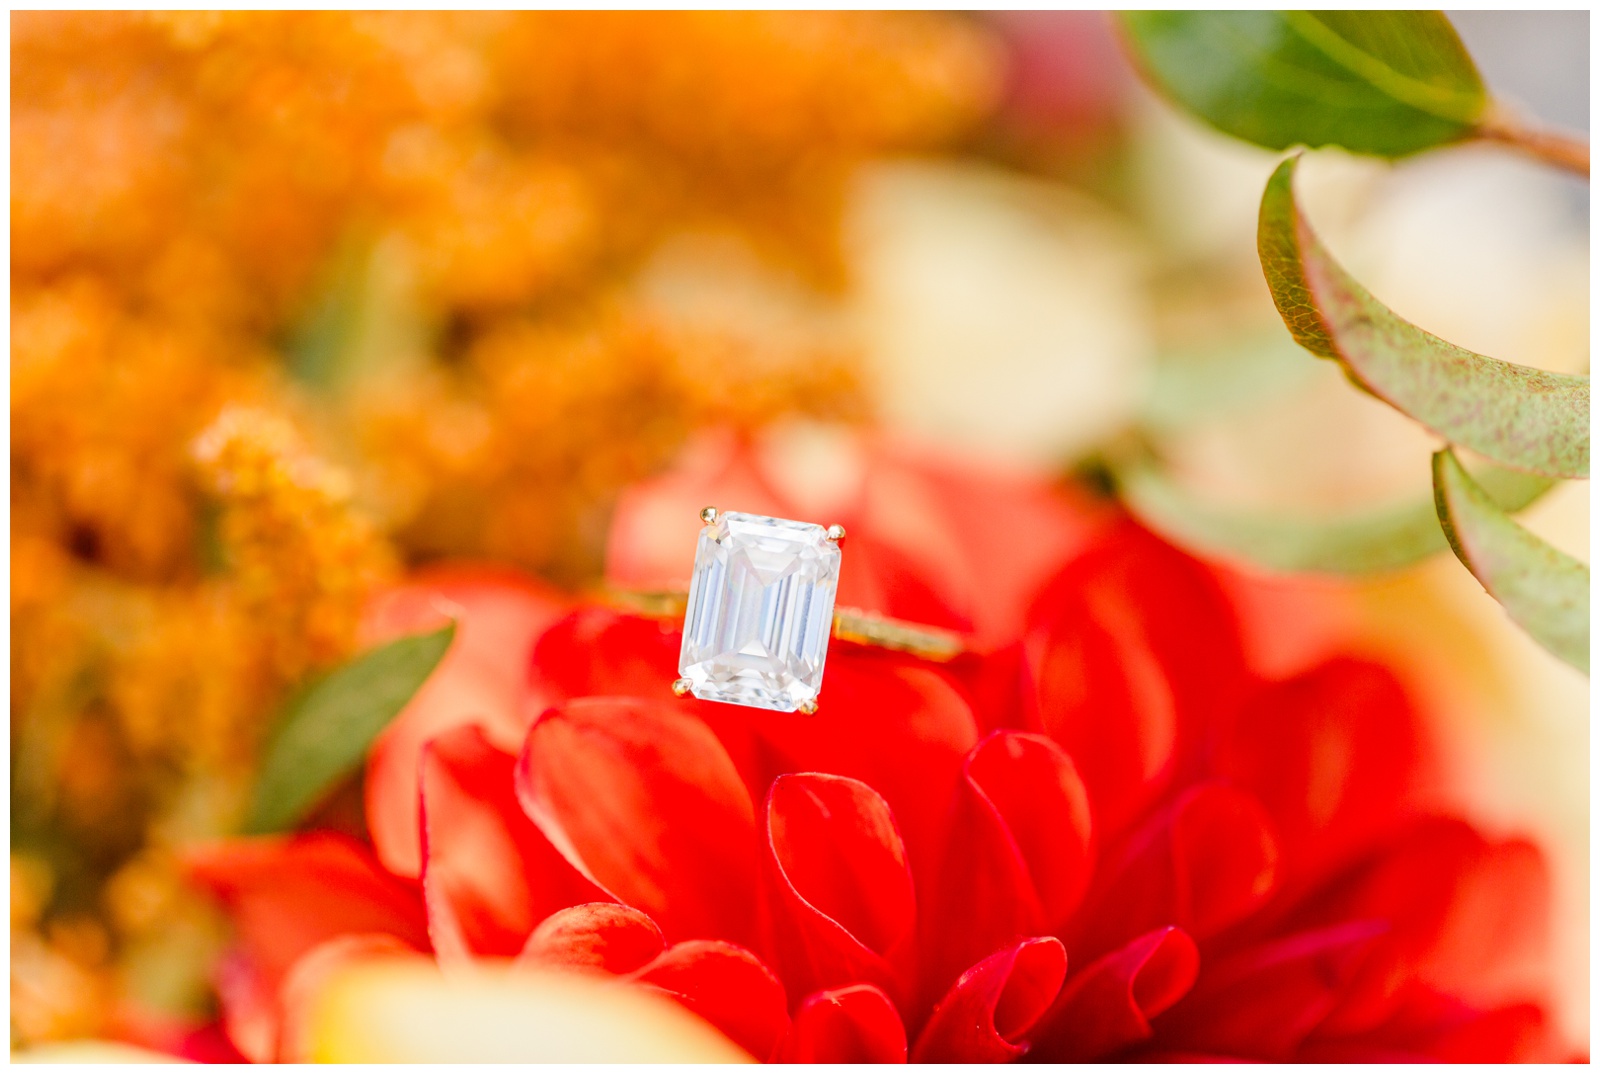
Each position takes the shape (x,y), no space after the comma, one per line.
(1102,834)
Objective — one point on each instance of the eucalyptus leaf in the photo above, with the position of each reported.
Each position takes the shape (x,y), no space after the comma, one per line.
(1380,539)
(1543,590)
(1526,418)
(323,732)
(1200,383)
(1388,83)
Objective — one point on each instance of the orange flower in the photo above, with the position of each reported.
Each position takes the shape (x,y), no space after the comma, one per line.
(360,220)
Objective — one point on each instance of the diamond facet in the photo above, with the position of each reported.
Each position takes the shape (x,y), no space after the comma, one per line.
(760,611)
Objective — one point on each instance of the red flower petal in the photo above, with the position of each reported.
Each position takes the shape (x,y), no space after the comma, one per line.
(1495,942)
(857,1024)
(1330,755)
(482,679)
(880,577)
(305,980)
(1466,916)
(728,987)
(643,799)
(986,1015)
(1034,790)
(286,895)
(891,722)
(498,598)
(488,874)
(1017,856)
(1516,1034)
(598,652)
(994,683)
(1202,863)
(844,910)
(209,1044)
(1108,1006)
(1435,1028)
(1289,622)
(655,523)
(1131,652)
(1263,1001)
(1103,695)
(982,510)
(603,936)
(249,1007)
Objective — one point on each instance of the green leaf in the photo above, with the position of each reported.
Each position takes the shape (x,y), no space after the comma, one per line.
(323,334)
(324,732)
(1544,590)
(1386,83)
(1526,418)
(1201,382)
(363,318)
(1381,539)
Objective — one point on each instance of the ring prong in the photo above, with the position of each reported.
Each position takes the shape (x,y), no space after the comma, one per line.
(836,533)
(708,515)
(809,706)
(681,687)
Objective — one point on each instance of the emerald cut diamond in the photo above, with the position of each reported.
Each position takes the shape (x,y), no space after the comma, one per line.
(760,612)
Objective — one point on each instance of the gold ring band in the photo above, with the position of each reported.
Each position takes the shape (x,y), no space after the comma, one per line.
(849,624)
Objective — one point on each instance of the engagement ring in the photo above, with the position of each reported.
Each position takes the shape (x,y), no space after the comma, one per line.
(759,613)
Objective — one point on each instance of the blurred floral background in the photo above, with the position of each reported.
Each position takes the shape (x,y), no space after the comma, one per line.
(303,301)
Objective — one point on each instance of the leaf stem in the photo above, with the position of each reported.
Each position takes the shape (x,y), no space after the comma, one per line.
(1551,146)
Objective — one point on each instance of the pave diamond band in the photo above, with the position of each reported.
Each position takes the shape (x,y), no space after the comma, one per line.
(759,613)
(867,628)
